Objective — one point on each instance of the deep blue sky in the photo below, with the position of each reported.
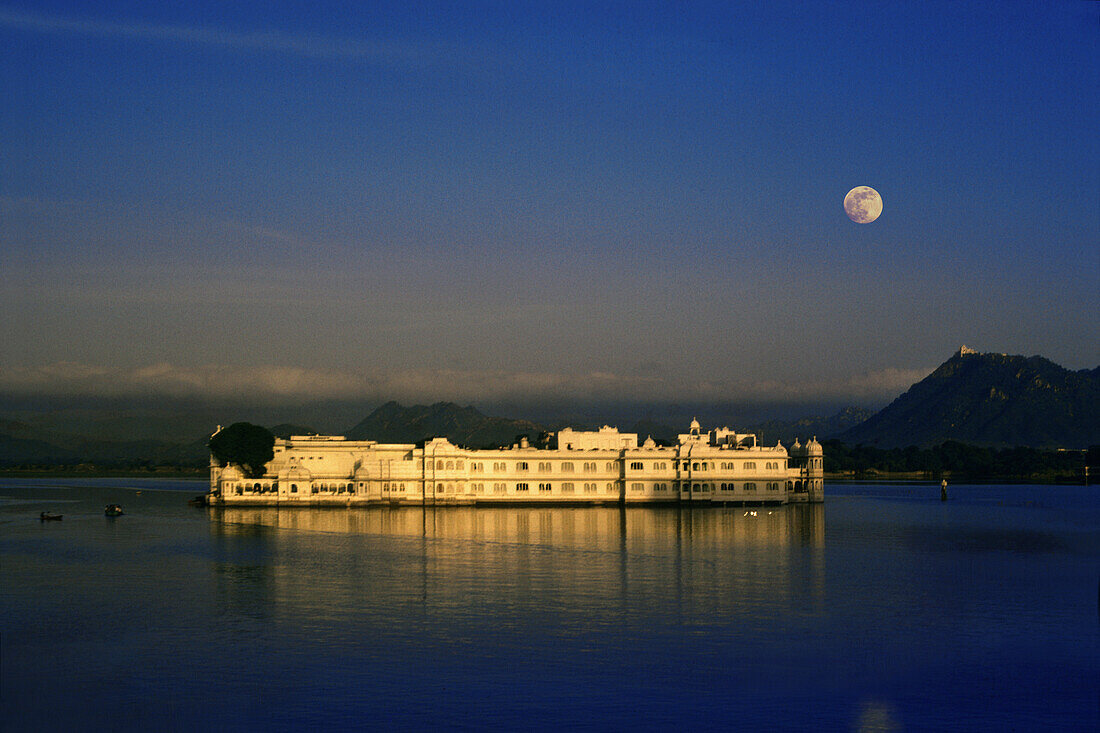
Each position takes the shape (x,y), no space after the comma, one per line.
(548,200)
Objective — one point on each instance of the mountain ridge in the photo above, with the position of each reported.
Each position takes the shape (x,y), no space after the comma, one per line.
(990,399)
(395,423)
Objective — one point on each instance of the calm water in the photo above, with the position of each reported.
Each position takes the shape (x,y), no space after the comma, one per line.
(882,610)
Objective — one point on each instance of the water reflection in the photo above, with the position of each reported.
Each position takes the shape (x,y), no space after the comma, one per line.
(690,565)
(591,528)
(876,716)
(922,614)
(243,577)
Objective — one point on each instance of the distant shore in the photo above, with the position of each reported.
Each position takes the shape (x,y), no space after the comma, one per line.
(96,472)
(1059,477)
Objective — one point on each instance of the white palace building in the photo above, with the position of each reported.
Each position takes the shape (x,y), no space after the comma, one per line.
(578,467)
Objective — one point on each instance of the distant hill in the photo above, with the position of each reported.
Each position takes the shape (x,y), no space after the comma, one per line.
(285,430)
(394,423)
(808,427)
(771,431)
(992,400)
(23,444)
(15,450)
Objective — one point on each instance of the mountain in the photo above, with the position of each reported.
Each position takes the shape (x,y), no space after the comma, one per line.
(285,430)
(992,400)
(808,427)
(772,430)
(23,443)
(15,450)
(394,423)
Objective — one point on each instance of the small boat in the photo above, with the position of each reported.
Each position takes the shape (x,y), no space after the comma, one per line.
(199,500)
(113,510)
(47,517)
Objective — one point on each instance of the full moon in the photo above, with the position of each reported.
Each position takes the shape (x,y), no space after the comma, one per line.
(863,204)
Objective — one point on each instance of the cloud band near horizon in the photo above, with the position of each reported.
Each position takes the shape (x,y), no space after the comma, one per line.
(297,384)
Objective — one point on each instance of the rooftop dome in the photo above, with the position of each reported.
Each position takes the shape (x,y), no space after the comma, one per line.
(231,472)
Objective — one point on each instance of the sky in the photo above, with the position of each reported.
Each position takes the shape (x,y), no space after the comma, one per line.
(542,203)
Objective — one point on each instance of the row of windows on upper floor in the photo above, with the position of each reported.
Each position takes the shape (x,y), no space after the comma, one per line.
(611,466)
(541,466)
(587,466)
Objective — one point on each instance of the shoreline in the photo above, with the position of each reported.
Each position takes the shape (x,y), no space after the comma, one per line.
(201,474)
(920,477)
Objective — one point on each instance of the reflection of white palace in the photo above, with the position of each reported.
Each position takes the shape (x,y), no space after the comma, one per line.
(595,467)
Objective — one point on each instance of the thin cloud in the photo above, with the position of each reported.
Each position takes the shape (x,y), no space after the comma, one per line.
(281,383)
(263,41)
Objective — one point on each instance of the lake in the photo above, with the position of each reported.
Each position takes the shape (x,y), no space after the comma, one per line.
(884,609)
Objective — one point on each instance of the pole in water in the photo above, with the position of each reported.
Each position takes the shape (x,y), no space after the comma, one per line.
(943,490)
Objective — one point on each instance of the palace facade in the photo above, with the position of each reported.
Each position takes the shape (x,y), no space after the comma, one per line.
(580,467)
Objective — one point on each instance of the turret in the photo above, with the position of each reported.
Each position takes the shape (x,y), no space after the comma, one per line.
(815,470)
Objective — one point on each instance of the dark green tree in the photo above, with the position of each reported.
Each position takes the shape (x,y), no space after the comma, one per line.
(247,445)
